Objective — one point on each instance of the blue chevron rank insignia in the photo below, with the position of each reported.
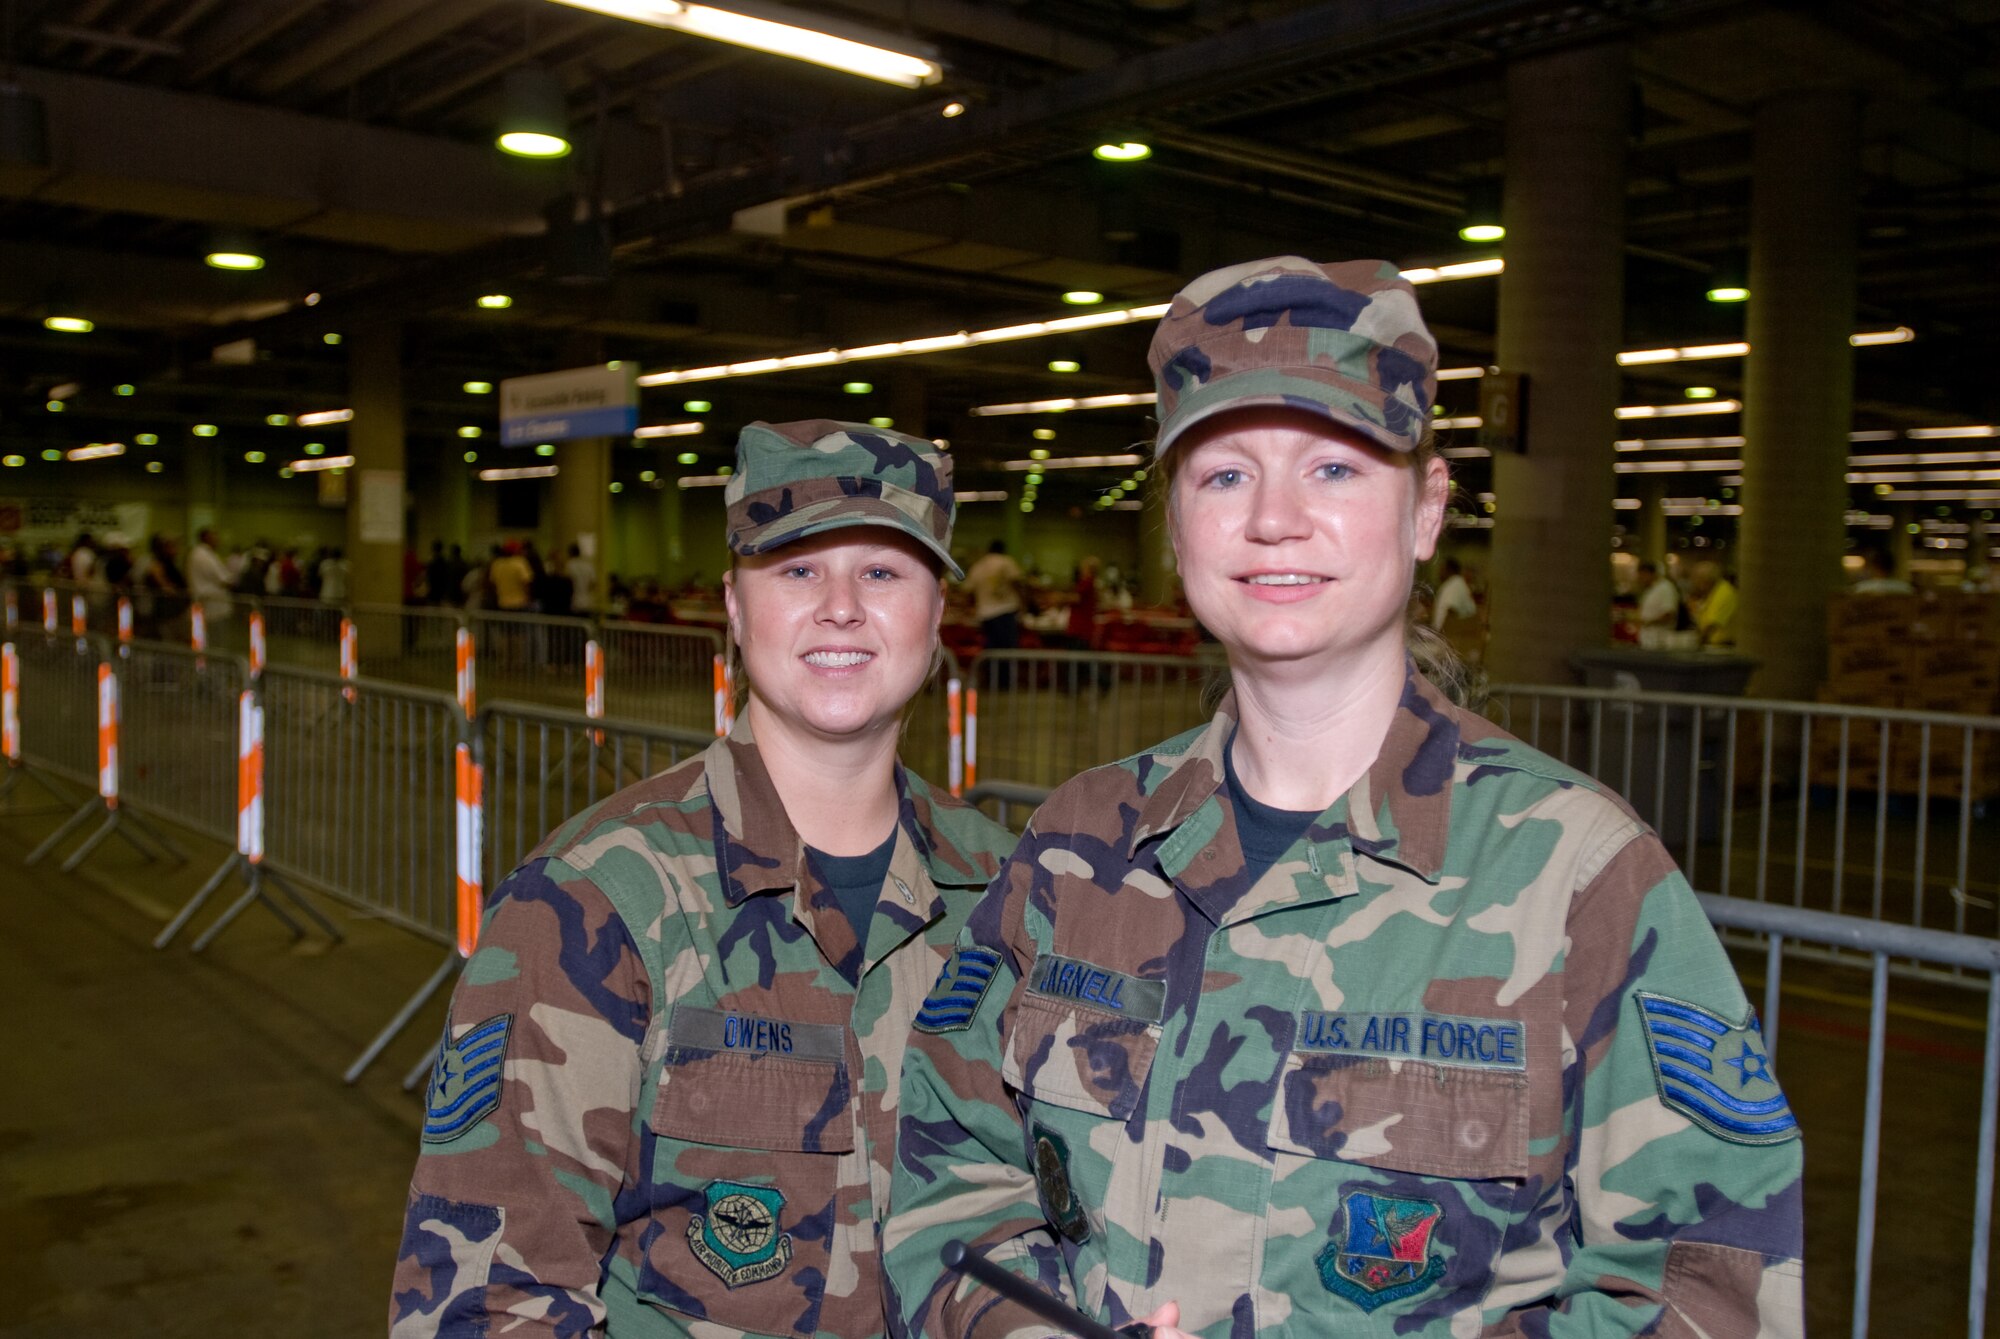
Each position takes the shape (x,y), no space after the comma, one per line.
(1715,1072)
(959,989)
(465,1081)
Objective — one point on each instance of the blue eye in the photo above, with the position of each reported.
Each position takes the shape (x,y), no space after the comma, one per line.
(1334,470)
(798,570)
(1227,478)
(879,574)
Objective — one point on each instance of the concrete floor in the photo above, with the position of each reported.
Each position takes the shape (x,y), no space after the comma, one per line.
(179,1156)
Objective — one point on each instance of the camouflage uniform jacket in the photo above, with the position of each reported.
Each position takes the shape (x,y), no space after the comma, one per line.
(660,1106)
(1467,1060)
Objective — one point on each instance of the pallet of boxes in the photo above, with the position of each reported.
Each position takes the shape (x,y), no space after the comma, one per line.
(1937,652)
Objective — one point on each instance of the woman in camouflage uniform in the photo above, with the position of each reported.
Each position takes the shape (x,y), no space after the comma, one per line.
(665,1100)
(1346,1013)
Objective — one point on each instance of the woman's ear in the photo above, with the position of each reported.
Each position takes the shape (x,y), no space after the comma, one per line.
(1433,493)
(731,607)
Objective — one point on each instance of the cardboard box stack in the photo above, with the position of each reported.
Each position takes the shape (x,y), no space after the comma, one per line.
(1935,652)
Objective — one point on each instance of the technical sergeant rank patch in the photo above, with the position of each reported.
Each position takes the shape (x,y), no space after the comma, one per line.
(959,988)
(465,1081)
(1715,1072)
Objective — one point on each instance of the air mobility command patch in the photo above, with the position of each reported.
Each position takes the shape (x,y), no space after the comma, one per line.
(1383,1253)
(1715,1072)
(465,1081)
(955,998)
(1059,1201)
(738,1238)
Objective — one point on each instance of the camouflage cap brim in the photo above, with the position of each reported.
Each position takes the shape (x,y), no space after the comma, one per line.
(775,517)
(1366,409)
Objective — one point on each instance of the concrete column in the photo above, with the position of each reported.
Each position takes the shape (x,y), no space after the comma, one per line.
(203,478)
(1561,318)
(1156,553)
(1649,532)
(1798,383)
(454,489)
(671,547)
(376,485)
(1902,544)
(581,505)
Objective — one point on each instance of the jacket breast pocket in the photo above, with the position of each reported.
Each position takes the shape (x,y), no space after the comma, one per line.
(1410,1171)
(1084,1059)
(746,1182)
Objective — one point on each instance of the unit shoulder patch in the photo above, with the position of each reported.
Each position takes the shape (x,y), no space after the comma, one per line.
(1715,1072)
(465,1080)
(960,986)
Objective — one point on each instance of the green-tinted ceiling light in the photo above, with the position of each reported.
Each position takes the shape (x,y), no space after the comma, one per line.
(545,449)
(534,118)
(50,453)
(124,388)
(647,476)
(234,260)
(477,388)
(205,430)
(1044,435)
(70,325)
(1027,505)
(1699,392)
(1482,232)
(617,487)
(147,439)
(278,420)
(330,337)
(254,457)
(55,406)
(1482,212)
(14,462)
(1728,293)
(1125,151)
(495,302)
(696,406)
(155,466)
(315,448)
(284,471)
(687,458)
(881,421)
(726,471)
(1039,453)
(1913,528)
(1034,480)
(1065,365)
(471,457)
(471,430)
(1140,475)
(857,387)
(1082,297)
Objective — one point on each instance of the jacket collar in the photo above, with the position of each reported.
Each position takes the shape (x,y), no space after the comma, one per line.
(1399,811)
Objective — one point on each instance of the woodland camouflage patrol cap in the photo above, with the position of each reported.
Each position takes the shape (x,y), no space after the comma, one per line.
(1343,340)
(798,479)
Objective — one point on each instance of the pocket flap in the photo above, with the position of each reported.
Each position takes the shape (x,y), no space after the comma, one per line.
(784,1088)
(1080,1058)
(1454,1121)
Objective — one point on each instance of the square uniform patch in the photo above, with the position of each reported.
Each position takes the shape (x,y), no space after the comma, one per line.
(959,989)
(465,1081)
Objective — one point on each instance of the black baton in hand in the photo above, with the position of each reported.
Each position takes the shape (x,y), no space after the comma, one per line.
(957,1255)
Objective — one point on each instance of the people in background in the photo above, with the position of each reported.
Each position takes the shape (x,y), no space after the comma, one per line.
(1713,598)
(1454,596)
(209,578)
(438,585)
(333,576)
(1660,605)
(995,583)
(582,573)
(80,563)
(1878,577)
(511,579)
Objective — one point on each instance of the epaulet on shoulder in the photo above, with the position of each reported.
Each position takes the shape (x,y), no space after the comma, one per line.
(669,787)
(1503,751)
(1168,751)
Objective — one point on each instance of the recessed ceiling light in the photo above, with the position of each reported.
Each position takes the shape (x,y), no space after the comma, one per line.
(1126,151)
(234,260)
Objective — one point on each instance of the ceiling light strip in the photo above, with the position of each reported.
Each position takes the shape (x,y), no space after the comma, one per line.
(312,463)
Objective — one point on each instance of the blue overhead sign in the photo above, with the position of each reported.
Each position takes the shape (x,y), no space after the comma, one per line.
(601,400)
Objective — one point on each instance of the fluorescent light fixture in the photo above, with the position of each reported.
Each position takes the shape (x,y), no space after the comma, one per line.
(1075,463)
(1065,365)
(471,430)
(124,388)
(147,439)
(545,449)
(983,495)
(532,144)
(668,430)
(1462,421)
(97,451)
(321,418)
(69,325)
(1043,434)
(904,348)
(1700,507)
(1481,232)
(951,110)
(1699,392)
(1686,353)
(254,457)
(1464,452)
(321,463)
(204,430)
(1465,269)
(1460,373)
(687,458)
(1929,458)
(495,302)
(51,453)
(521,472)
(234,260)
(1679,444)
(1970,430)
(1082,297)
(1683,410)
(1125,151)
(1868,339)
(795,41)
(881,421)
(65,391)
(1728,293)
(1925,477)
(477,388)
(696,406)
(1624,504)
(702,480)
(1674,466)
(1873,435)
(1062,406)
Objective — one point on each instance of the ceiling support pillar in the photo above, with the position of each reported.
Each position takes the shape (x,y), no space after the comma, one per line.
(1561,319)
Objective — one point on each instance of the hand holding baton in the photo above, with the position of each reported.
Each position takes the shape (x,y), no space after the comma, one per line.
(957,1255)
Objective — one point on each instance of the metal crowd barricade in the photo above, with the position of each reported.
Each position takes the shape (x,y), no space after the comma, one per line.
(1040,717)
(531,657)
(304,633)
(931,742)
(406,643)
(1867,810)
(659,672)
(180,722)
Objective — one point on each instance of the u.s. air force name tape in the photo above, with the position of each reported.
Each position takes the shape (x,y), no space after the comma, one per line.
(1445,1039)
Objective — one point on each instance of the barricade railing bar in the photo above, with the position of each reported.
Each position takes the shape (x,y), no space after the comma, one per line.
(532,657)
(1874,810)
(659,672)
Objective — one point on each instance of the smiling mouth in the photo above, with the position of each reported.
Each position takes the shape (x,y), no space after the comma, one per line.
(838,659)
(1282,579)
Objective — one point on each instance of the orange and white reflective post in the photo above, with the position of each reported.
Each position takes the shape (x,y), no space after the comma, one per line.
(10,703)
(256,642)
(971,738)
(79,617)
(725,710)
(13,608)
(124,621)
(197,628)
(250,778)
(107,736)
(468,673)
(593,685)
(350,656)
(49,611)
(470,813)
(955,760)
